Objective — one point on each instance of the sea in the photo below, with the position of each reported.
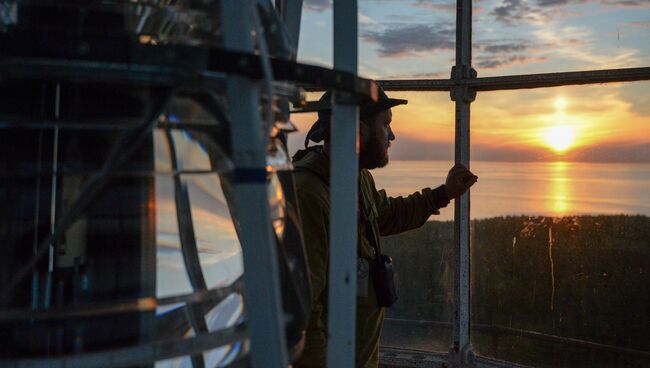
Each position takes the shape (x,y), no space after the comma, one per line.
(531,188)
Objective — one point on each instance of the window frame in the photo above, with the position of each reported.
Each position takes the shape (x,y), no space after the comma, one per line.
(463,86)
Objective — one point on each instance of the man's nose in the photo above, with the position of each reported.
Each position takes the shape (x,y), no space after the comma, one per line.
(391,135)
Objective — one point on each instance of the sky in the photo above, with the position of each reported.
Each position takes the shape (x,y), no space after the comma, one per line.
(416,39)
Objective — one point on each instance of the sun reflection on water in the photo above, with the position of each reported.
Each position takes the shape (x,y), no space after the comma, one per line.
(560,190)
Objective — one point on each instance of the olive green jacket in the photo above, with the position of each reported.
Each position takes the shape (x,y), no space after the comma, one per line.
(387,216)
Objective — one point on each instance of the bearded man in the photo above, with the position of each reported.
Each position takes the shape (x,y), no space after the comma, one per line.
(379,215)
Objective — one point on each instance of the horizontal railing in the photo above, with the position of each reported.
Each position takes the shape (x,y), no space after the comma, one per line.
(531,335)
(523,81)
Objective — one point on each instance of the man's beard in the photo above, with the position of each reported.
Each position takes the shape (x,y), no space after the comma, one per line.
(373,155)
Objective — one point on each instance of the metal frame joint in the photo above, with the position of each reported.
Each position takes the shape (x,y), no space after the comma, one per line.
(462,91)
(462,358)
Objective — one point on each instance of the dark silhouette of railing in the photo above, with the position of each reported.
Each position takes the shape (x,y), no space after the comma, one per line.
(538,336)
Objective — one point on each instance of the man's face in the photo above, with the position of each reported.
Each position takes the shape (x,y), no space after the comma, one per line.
(375,137)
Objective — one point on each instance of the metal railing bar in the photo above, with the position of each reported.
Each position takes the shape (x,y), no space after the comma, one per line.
(26,173)
(528,334)
(495,363)
(420,322)
(396,356)
(124,306)
(402,357)
(146,75)
(561,79)
(565,340)
(141,354)
(45,124)
(524,81)
(462,97)
(430,85)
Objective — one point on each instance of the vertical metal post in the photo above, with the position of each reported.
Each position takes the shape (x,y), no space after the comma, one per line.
(461,354)
(342,299)
(261,272)
(292,16)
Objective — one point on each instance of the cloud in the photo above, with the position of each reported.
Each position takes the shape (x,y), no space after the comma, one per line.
(408,148)
(513,11)
(552,2)
(628,3)
(504,48)
(613,152)
(590,57)
(409,40)
(432,75)
(492,62)
(435,5)
(501,53)
(365,20)
(639,24)
(317,5)
(621,3)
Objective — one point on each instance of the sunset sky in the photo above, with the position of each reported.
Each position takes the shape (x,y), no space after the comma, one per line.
(416,39)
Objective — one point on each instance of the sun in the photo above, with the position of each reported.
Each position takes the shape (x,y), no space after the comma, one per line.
(560,138)
(560,103)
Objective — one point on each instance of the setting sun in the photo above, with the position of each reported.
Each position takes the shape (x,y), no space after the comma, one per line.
(561,103)
(559,138)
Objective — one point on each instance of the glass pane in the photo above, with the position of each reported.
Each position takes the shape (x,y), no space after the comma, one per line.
(396,39)
(424,128)
(561,226)
(399,39)
(316,37)
(421,155)
(519,37)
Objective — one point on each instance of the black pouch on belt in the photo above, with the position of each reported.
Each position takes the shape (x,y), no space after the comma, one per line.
(381,270)
(383,278)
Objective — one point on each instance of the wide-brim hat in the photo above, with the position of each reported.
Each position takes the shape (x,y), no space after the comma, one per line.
(367,109)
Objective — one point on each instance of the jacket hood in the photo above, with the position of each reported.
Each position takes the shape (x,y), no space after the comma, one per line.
(313,159)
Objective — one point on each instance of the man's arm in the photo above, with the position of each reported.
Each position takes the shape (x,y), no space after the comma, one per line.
(399,214)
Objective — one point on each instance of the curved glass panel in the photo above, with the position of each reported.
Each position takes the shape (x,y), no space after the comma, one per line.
(152,257)
(560,226)
(119,230)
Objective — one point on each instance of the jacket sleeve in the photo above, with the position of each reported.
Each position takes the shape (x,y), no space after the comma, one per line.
(399,214)
(314,214)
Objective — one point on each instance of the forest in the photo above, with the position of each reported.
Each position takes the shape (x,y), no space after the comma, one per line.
(546,291)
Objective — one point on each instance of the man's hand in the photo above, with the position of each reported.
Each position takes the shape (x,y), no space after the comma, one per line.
(458,181)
